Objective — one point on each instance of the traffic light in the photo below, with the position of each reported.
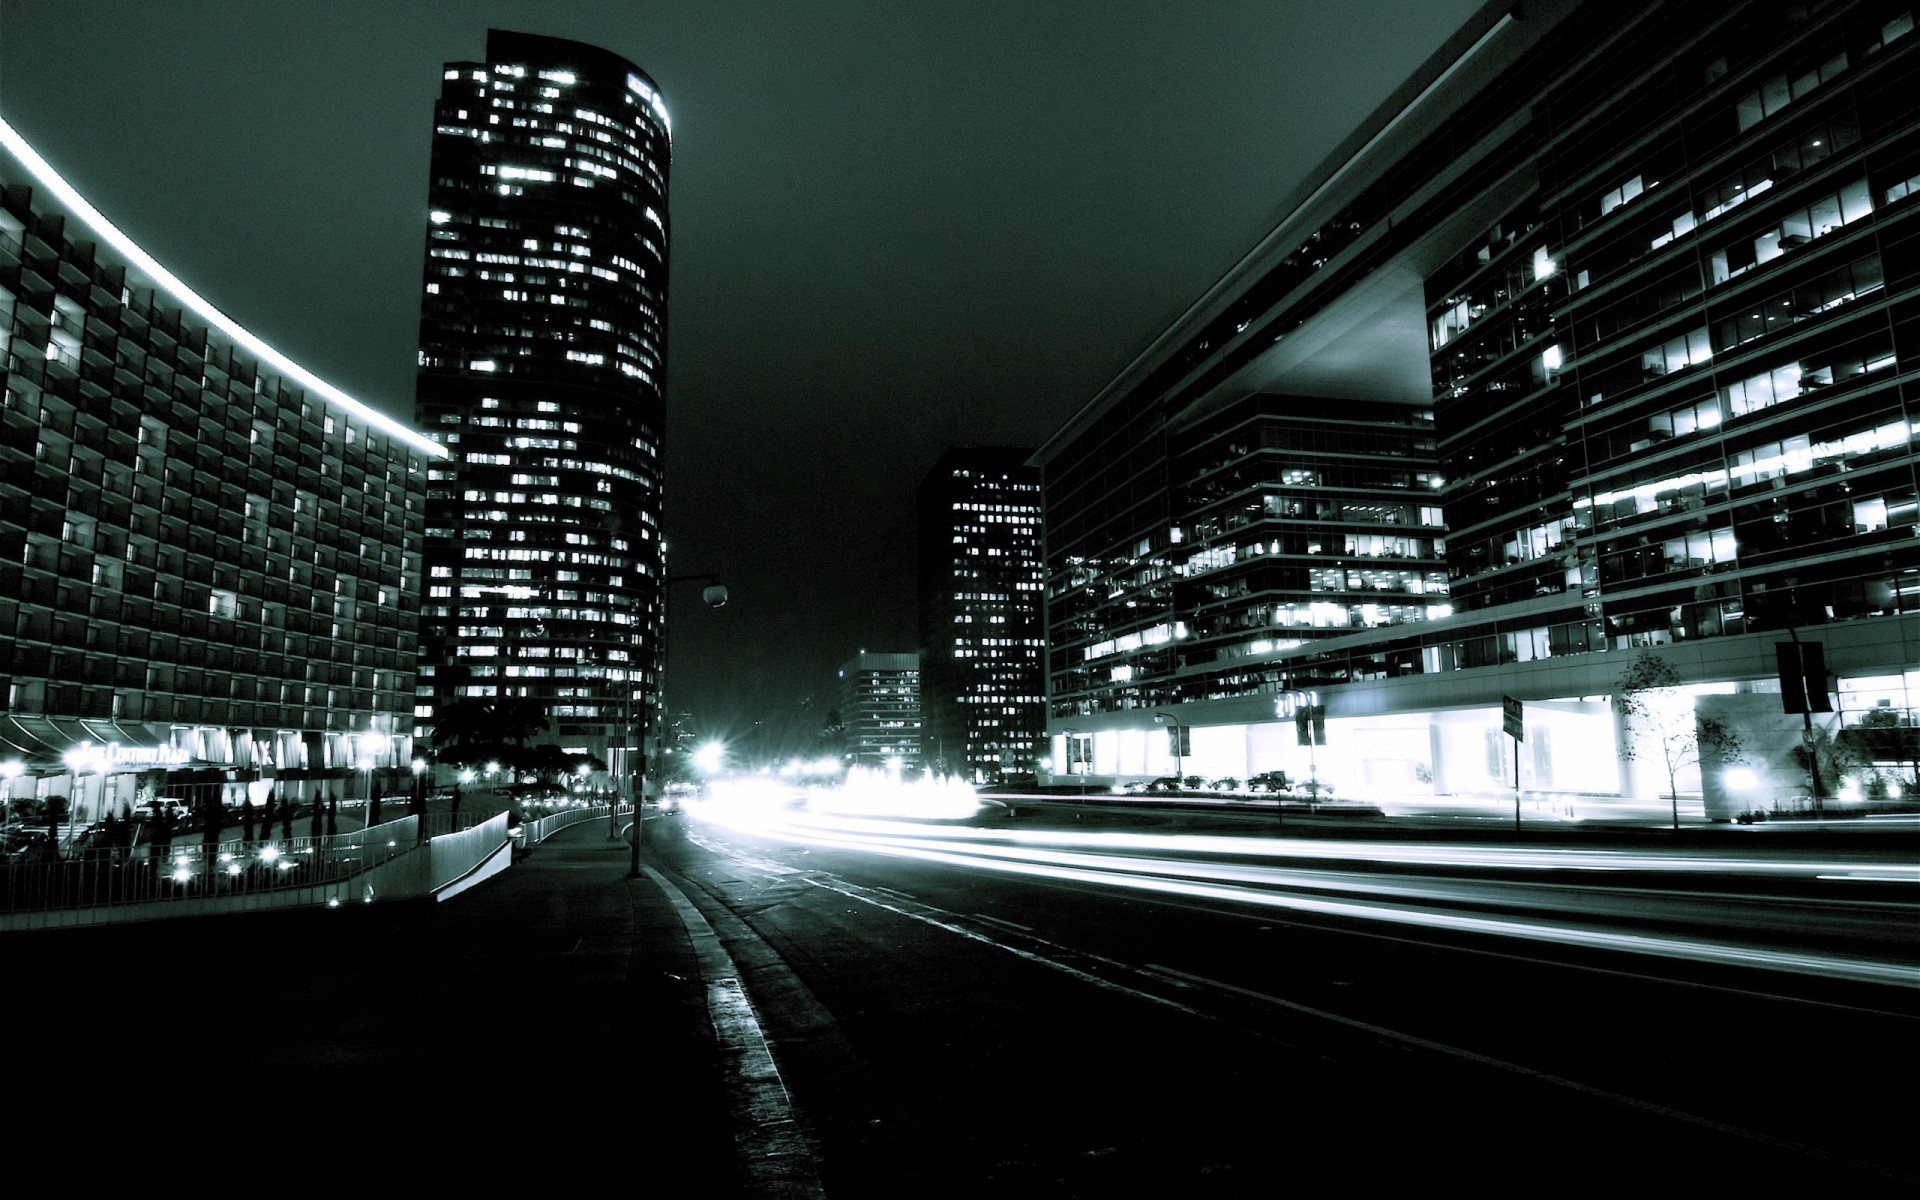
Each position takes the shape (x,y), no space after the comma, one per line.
(1803,676)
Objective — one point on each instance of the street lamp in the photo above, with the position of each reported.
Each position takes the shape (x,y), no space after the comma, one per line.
(713,595)
(1174,732)
(82,760)
(373,744)
(419,800)
(710,757)
(9,771)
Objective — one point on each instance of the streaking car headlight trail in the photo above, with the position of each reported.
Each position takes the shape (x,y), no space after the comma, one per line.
(1305,876)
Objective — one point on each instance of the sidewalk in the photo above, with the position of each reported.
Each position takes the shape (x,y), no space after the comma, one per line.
(561,996)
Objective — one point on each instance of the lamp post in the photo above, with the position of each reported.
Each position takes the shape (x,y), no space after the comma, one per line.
(713,595)
(9,771)
(419,805)
(83,760)
(1172,723)
(373,744)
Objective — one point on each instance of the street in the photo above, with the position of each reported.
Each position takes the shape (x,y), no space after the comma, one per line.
(1049,1027)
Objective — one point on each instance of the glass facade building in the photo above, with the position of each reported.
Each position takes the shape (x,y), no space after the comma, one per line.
(542,370)
(879,700)
(210,560)
(1653,270)
(982,679)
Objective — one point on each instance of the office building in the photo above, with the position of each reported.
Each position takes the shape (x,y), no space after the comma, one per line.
(982,680)
(542,366)
(211,568)
(1651,268)
(879,709)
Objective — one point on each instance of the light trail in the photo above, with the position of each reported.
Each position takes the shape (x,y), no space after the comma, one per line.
(777,820)
(1180,866)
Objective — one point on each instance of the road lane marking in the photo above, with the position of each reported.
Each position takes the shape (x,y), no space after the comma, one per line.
(1169,975)
(998,923)
(1500,1064)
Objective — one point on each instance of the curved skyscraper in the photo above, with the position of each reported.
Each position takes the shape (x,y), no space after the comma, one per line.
(542,358)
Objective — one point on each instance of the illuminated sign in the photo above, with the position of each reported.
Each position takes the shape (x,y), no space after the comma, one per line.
(145,756)
(1290,704)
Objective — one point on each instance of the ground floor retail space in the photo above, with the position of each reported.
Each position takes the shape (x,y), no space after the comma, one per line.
(81,771)
(1866,750)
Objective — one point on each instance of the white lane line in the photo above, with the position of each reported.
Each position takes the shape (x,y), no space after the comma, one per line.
(773,1148)
(1015,926)
(1500,1064)
(1169,975)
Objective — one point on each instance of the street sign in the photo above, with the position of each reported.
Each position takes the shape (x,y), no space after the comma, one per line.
(1513,718)
(1310,725)
(1803,676)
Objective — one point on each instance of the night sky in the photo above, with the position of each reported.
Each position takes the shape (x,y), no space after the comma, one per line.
(895,227)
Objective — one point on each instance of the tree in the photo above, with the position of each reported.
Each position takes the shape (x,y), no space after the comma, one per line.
(477,729)
(1653,706)
(213,816)
(1827,758)
(1889,739)
(160,830)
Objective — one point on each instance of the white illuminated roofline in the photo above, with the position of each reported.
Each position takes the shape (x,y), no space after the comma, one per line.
(165,279)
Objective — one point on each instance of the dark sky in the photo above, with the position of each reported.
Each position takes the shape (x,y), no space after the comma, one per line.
(895,227)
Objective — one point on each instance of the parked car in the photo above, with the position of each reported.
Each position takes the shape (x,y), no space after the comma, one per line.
(175,808)
(18,844)
(1269,781)
(1166,783)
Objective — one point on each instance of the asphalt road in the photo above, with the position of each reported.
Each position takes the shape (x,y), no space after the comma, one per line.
(949,1029)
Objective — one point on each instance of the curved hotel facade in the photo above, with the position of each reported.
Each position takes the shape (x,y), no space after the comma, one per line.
(211,565)
(1601,339)
(542,371)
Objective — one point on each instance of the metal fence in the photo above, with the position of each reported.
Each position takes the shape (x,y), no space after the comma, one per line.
(532,832)
(193,870)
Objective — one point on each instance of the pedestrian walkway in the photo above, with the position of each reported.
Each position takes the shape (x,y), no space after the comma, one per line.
(562,998)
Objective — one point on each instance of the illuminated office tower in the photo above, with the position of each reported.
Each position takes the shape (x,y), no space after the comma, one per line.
(982,679)
(1599,341)
(879,699)
(542,358)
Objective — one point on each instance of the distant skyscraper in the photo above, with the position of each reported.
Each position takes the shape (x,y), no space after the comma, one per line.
(880,710)
(542,362)
(982,674)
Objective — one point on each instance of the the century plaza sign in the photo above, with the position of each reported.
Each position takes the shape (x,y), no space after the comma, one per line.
(145,756)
